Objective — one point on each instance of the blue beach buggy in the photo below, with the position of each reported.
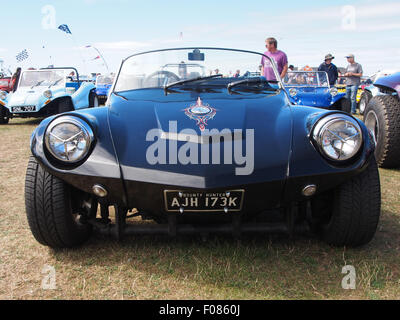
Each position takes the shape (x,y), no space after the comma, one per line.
(311,88)
(45,92)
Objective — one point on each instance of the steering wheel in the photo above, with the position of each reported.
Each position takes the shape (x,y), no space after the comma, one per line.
(159,78)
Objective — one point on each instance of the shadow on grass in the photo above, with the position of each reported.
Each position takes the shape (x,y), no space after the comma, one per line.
(255,267)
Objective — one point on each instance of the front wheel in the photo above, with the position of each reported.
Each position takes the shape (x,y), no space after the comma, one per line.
(365,97)
(382,118)
(93,100)
(349,216)
(4,118)
(54,209)
(343,104)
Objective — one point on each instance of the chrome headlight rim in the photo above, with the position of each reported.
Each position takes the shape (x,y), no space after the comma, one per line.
(292,92)
(323,123)
(83,125)
(333,91)
(48,94)
(3,95)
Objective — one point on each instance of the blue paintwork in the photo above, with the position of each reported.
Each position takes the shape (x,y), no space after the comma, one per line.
(314,96)
(103,89)
(392,81)
(78,93)
(284,156)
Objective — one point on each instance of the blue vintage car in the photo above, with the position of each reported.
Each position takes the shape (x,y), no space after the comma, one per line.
(45,92)
(199,154)
(103,85)
(311,88)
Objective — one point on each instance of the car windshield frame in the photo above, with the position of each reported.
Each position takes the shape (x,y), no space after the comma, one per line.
(299,72)
(47,84)
(117,77)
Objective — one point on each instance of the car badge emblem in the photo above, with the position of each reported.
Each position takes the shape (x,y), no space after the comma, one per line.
(201,113)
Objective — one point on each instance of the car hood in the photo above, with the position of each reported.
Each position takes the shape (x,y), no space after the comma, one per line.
(137,124)
(26,96)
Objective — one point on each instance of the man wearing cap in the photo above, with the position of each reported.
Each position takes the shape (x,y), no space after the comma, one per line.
(353,76)
(329,68)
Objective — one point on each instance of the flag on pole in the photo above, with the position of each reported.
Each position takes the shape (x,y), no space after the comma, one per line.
(23,55)
(64,27)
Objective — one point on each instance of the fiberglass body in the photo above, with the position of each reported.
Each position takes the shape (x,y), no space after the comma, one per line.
(164,136)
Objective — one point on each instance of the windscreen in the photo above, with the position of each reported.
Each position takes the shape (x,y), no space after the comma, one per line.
(104,80)
(42,78)
(306,78)
(158,69)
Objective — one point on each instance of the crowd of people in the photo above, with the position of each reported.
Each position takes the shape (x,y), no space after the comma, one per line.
(352,74)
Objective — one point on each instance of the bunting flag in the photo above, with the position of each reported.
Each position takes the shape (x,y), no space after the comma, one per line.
(23,55)
(64,28)
(98,57)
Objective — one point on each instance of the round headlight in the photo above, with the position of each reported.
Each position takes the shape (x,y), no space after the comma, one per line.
(333,91)
(292,92)
(339,137)
(47,94)
(68,139)
(3,95)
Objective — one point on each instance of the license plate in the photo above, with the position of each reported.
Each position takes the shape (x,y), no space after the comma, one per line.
(23,109)
(187,201)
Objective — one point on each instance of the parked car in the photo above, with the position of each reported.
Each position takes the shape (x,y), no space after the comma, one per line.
(47,91)
(311,88)
(371,91)
(201,155)
(103,85)
(5,84)
(382,118)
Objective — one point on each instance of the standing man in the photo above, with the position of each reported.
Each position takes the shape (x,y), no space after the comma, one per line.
(353,75)
(278,56)
(330,69)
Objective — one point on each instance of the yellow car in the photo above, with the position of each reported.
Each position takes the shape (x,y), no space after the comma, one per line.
(342,88)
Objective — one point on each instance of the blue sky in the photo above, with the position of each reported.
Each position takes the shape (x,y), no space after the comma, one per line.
(306,30)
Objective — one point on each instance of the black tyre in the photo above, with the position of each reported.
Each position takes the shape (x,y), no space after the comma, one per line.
(364,99)
(64,106)
(349,216)
(93,100)
(382,117)
(343,104)
(53,209)
(4,118)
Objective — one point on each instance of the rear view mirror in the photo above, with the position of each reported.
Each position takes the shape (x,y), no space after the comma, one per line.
(196,55)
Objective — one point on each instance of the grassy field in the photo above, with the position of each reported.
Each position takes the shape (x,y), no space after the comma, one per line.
(187,268)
